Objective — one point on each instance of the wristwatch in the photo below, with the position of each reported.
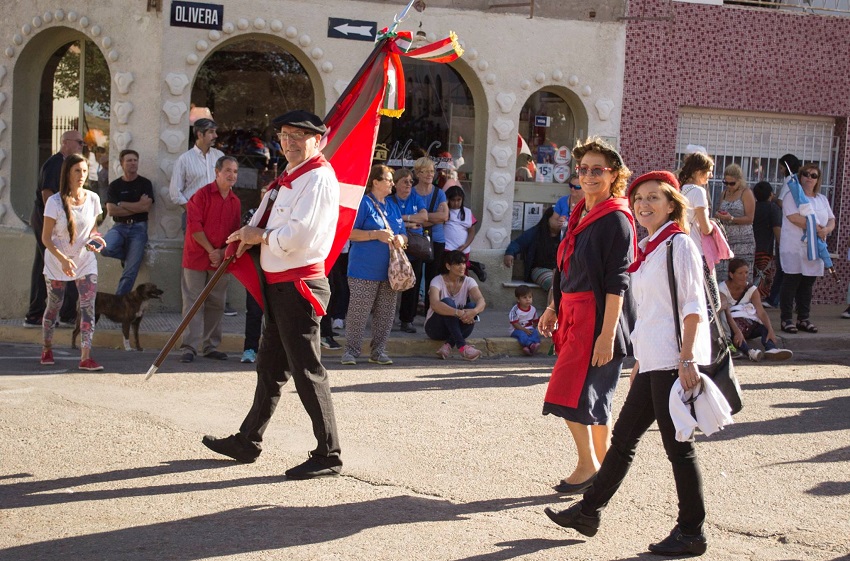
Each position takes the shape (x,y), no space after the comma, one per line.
(266,236)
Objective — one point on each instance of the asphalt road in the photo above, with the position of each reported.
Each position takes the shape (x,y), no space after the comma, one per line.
(443,461)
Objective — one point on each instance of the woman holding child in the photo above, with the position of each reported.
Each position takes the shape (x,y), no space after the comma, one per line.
(587,302)
(660,361)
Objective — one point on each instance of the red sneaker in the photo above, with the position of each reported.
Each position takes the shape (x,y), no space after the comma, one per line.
(47,357)
(90,365)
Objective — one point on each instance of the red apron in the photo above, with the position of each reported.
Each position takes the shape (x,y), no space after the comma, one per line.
(574,340)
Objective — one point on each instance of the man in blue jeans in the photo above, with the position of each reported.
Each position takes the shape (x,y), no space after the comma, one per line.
(128,201)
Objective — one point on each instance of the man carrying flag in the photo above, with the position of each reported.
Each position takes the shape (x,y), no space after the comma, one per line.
(295,227)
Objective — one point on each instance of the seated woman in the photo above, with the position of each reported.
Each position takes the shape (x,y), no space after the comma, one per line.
(455,303)
(538,246)
(745,314)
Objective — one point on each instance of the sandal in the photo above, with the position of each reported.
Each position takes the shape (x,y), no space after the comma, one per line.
(788,326)
(807,326)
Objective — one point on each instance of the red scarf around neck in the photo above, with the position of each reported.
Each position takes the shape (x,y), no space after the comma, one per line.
(576,225)
(670,230)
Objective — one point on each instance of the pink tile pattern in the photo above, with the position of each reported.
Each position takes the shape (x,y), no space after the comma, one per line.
(736,58)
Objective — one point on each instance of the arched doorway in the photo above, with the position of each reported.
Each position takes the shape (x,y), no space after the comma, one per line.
(66,85)
(243,86)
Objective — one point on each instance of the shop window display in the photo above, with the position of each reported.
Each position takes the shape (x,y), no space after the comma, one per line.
(547,133)
(438,121)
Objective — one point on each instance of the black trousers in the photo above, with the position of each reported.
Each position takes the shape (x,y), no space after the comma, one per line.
(338,306)
(648,401)
(38,288)
(289,348)
(434,268)
(410,298)
(796,289)
(253,323)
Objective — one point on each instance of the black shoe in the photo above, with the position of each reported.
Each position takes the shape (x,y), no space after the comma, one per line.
(187,357)
(330,343)
(575,519)
(478,269)
(233,447)
(677,544)
(575,488)
(311,469)
(407,327)
(228,311)
(216,355)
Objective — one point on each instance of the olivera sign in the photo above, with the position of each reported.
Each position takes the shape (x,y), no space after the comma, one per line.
(196,15)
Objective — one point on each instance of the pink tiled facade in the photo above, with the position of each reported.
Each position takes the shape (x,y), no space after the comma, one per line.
(735,58)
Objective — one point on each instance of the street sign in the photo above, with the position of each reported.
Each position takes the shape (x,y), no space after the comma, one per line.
(197,15)
(357,30)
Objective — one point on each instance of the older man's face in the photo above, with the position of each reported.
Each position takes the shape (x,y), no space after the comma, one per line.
(298,145)
(226,176)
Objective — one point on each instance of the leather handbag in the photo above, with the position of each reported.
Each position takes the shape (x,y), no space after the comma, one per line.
(721,370)
(419,247)
(400,272)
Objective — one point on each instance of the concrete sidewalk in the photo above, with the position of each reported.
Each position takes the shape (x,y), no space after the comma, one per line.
(490,334)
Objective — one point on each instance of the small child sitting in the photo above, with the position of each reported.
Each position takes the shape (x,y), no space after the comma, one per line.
(523,318)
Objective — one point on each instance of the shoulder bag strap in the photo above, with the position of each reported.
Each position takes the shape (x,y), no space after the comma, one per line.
(381,212)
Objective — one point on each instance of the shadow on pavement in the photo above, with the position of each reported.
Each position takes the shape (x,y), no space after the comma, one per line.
(59,491)
(815,385)
(455,381)
(514,549)
(267,528)
(830,489)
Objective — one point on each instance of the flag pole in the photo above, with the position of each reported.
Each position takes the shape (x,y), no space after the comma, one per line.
(160,358)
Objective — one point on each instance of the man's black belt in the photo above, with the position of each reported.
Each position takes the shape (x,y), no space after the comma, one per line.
(129,220)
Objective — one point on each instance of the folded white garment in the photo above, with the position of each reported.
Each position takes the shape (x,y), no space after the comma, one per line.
(711,411)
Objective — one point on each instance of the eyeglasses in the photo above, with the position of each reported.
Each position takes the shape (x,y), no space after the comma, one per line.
(810,175)
(576,187)
(77,140)
(390,179)
(595,171)
(729,183)
(296,136)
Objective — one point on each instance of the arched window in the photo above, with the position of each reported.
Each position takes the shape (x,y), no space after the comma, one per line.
(243,86)
(439,120)
(546,127)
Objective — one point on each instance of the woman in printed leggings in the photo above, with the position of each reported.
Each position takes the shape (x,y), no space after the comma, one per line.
(71,238)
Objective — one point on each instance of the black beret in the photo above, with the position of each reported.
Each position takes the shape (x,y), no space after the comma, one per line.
(300,119)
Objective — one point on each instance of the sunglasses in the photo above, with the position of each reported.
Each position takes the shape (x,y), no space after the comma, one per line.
(576,187)
(595,171)
(810,175)
(729,183)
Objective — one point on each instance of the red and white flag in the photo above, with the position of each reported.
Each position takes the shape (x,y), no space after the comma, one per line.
(349,143)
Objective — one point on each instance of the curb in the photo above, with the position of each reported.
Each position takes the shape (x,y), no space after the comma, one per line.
(491,347)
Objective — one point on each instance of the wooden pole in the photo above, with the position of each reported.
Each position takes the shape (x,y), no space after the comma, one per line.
(160,358)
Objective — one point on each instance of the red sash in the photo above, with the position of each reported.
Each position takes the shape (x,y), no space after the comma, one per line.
(298,276)
(606,207)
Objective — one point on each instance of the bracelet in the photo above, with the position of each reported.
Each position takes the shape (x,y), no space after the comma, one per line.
(551,308)
(687,362)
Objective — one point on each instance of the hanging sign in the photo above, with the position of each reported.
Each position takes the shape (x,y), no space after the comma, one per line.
(197,15)
(340,28)
(542,121)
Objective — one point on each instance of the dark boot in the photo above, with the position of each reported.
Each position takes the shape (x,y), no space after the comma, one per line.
(574,518)
(678,544)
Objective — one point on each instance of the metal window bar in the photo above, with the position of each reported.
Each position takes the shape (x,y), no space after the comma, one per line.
(819,7)
(756,143)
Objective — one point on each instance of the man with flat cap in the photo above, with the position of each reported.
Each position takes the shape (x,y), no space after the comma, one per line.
(294,227)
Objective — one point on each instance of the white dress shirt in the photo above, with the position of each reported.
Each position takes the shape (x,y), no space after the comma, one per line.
(302,222)
(654,334)
(192,171)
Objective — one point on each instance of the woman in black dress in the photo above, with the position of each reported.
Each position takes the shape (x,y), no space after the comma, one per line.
(593,323)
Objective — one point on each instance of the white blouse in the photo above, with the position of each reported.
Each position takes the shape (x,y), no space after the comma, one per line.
(654,334)
(792,249)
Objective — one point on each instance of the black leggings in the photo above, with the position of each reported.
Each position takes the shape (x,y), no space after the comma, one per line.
(796,288)
(648,401)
